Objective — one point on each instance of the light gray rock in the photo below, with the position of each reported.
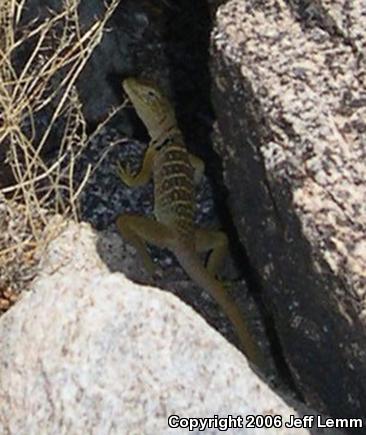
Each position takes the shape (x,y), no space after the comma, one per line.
(341,17)
(88,351)
(289,93)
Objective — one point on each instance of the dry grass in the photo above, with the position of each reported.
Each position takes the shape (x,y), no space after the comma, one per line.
(40,63)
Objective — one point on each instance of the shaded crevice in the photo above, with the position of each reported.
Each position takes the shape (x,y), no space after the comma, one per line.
(188,59)
(254,285)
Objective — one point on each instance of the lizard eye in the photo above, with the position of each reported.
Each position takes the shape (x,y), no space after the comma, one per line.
(150,95)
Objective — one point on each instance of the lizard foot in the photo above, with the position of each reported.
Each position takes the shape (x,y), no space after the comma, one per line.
(125,173)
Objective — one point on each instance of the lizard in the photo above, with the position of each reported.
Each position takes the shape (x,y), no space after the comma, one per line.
(174,171)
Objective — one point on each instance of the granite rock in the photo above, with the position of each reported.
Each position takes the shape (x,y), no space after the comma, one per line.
(88,351)
(289,95)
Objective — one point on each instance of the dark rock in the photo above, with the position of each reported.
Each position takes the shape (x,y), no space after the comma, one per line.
(134,25)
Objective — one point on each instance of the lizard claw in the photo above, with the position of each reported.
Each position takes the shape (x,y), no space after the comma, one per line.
(125,173)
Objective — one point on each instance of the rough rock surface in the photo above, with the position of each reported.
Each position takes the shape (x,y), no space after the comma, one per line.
(88,351)
(290,99)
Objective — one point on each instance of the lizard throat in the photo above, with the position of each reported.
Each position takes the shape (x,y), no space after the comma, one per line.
(167,137)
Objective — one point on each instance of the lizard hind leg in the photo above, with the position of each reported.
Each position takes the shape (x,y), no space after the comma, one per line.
(138,230)
(214,241)
(198,166)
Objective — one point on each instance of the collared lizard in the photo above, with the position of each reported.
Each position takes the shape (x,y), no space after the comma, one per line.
(173,170)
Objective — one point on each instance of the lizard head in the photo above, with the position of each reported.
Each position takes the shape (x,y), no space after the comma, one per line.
(151,105)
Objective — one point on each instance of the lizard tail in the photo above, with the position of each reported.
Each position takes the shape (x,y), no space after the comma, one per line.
(191,263)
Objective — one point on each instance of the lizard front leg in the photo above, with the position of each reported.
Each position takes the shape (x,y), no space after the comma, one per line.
(138,230)
(143,176)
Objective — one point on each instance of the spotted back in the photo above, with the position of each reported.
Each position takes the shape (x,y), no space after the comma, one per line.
(174,189)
